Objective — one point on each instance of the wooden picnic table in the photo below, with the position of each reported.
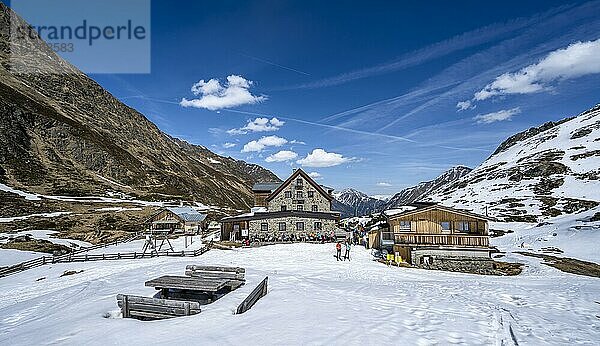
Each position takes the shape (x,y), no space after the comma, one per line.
(188,283)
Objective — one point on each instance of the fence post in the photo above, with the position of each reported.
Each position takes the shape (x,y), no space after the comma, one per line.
(125,307)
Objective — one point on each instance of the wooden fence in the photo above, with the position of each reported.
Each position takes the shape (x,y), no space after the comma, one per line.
(259,292)
(77,256)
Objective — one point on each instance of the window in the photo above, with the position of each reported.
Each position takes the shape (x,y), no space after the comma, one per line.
(315,207)
(288,194)
(462,226)
(300,207)
(281,226)
(318,226)
(284,207)
(405,225)
(299,226)
(445,225)
(264,226)
(236,227)
(299,194)
(299,182)
(311,194)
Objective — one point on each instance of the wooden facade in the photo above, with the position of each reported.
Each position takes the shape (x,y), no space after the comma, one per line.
(260,198)
(438,221)
(436,227)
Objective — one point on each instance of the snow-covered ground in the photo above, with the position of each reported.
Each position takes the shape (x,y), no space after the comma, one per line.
(573,234)
(25,217)
(10,257)
(91,199)
(46,235)
(312,299)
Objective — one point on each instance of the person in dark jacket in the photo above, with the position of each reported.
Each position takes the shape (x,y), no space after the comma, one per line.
(338,249)
(347,253)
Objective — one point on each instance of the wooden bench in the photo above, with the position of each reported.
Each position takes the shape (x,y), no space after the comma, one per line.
(153,308)
(235,276)
(259,292)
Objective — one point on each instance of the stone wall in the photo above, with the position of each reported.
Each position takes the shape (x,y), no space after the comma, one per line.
(290,223)
(465,261)
(322,203)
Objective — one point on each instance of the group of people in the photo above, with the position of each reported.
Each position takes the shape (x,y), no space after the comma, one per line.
(322,237)
(338,250)
(360,238)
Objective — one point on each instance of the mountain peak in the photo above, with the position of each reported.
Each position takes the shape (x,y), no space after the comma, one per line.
(541,172)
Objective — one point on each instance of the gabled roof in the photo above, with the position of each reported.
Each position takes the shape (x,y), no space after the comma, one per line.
(187,214)
(300,172)
(266,187)
(424,207)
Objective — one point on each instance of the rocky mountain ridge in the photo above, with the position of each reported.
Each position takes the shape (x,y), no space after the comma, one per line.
(546,171)
(425,189)
(351,202)
(62,134)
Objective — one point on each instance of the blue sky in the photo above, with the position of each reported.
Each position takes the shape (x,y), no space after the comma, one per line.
(393,93)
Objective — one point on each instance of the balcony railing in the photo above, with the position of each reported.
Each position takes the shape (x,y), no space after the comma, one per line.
(442,239)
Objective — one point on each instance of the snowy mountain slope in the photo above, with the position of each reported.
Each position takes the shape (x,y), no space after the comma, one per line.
(543,172)
(574,235)
(428,188)
(352,202)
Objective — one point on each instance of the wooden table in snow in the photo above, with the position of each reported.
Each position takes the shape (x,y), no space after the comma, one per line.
(187,283)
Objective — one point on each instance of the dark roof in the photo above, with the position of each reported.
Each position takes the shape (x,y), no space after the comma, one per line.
(265,187)
(425,206)
(310,180)
(287,213)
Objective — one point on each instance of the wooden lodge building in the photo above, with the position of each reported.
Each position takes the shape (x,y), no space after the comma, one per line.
(423,233)
(178,220)
(298,206)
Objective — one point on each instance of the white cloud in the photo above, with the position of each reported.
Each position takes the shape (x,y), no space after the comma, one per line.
(281,156)
(464,105)
(260,144)
(314,175)
(229,145)
(321,158)
(214,96)
(505,114)
(297,142)
(383,183)
(258,125)
(576,60)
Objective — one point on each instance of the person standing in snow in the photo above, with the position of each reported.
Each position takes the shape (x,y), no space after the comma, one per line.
(338,249)
(347,253)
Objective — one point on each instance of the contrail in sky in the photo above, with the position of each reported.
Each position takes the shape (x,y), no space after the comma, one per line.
(275,64)
(332,127)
